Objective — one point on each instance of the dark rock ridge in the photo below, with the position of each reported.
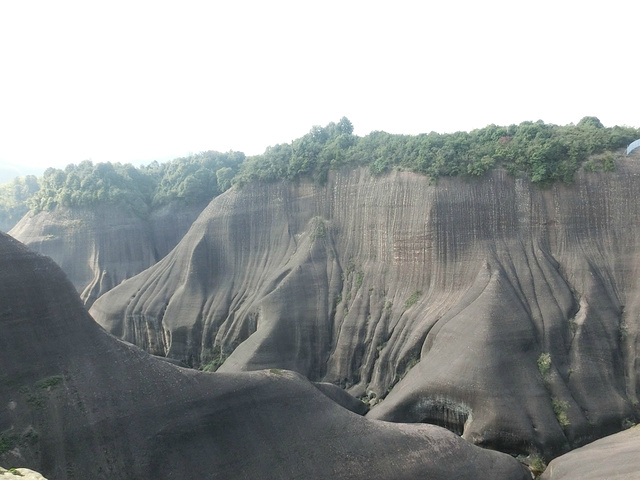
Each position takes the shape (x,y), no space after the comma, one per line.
(497,309)
(78,403)
(101,246)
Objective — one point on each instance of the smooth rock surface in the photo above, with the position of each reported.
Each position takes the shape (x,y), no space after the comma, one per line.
(77,403)
(440,299)
(20,474)
(616,457)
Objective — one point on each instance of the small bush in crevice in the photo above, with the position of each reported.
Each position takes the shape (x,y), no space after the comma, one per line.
(560,408)
(412,299)
(544,364)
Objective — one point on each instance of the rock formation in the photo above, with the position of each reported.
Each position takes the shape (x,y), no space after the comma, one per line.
(20,474)
(78,403)
(613,458)
(504,312)
(101,246)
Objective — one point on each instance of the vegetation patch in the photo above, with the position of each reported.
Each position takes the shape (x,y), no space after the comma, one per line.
(319,228)
(36,399)
(351,266)
(412,299)
(410,364)
(560,408)
(545,153)
(604,162)
(623,331)
(8,441)
(628,423)
(537,466)
(214,359)
(544,364)
(49,382)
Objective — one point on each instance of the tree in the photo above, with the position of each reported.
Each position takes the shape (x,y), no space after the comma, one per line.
(590,122)
(345,126)
(224,176)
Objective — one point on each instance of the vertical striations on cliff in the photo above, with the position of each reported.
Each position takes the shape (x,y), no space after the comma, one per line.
(435,302)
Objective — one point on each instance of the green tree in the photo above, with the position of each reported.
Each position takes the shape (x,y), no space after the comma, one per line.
(345,127)
(590,122)
(224,176)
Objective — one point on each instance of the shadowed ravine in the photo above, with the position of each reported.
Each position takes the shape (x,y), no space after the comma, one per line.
(435,303)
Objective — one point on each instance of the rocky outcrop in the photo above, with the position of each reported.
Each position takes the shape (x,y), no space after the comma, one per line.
(20,474)
(614,457)
(78,403)
(101,246)
(504,312)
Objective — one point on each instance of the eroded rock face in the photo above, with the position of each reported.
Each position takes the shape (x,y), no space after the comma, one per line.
(100,247)
(78,403)
(504,312)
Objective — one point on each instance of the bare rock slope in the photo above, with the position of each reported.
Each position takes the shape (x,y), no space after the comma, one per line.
(502,311)
(99,247)
(613,458)
(78,403)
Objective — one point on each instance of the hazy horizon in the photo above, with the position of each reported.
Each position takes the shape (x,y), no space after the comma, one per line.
(139,81)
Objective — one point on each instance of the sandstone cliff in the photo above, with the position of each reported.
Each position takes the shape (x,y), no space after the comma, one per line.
(79,404)
(101,246)
(507,313)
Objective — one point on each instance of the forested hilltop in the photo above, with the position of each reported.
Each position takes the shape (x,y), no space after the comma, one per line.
(191,180)
(545,153)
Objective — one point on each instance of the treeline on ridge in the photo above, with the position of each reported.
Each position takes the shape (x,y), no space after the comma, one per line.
(194,179)
(545,153)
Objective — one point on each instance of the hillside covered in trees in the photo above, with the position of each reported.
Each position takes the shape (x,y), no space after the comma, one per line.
(545,153)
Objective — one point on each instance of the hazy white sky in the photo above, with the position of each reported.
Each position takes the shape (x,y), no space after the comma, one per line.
(136,81)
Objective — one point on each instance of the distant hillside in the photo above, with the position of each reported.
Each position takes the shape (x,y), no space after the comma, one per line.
(9,171)
(189,181)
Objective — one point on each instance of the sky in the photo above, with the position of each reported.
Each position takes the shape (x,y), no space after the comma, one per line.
(138,81)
